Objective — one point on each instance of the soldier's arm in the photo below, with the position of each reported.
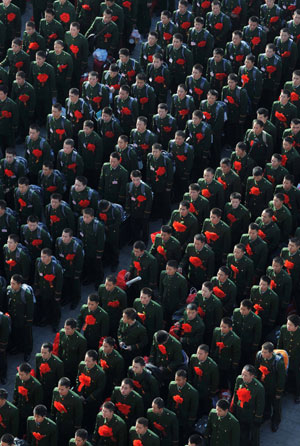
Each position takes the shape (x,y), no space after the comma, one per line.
(78,413)
(37,394)
(236,353)
(153,273)
(257,334)
(97,394)
(274,308)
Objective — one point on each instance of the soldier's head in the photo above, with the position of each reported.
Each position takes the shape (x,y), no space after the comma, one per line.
(184,208)
(7,439)
(248,373)
(262,114)
(284,35)
(264,283)
(16,282)
(146,295)
(207,289)
(3,397)
(158,405)
(245,307)
(239,251)
(93,78)
(80,183)
(20,78)
(296,82)
(180,378)
(91,359)
(222,408)
(241,149)
(107,16)
(12,242)
(158,60)
(3,92)
(235,199)
(68,146)
(67,235)
(40,58)
(226,325)
(107,114)
(250,61)
(257,126)
(288,182)
(34,132)
(293,322)
(199,241)
(129,316)
(152,38)
(81,436)
(161,337)
(225,165)
(32,222)
(139,248)
(64,385)
(232,81)
(277,264)
(10,155)
(197,117)
(141,124)
(223,274)
(253,22)
(218,54)
(56,110)
(171,267)
(165,233)
(124,92)
(267,350)
(284,96)
(114,159)
(39,413)
(30,28)
(198,24)
(182,6)
(208,175)
(136,177)
(181,91)
(58,47)
(92,302)
(126,386)
(49,15)
(296,17)
(74,95)
(74,29)
(122,142)
(215,216)
(24,371)
(124,55)
(110,283)
(278,200)
(46,256)
(138,365)
(108,345)
(194,191)
(70,326)
(267,215)
(165,17)
(276,160)
(108,410)
(113,72)
(212,96)
(46,350)
(55,200)
(162,110)
(216,7)
(88,215)
(191,311)
(257,173)
(47,168)
(177,41)
(88,127)
(141,425)
(237,37)
(270,48)
(156,150)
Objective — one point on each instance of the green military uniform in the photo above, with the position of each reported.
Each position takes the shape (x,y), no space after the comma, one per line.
(180,63)
(112,183)
(272,70)
(252,82)
(169,357)
(129,159)
(291,200)
(217,72)
(288,52)
(8,225)
(237,104)
(134,335)
(281,284)
(77,47)
(87,198)
(291,161)
(77,113)
(44,433)
(201,44)
(159,80)
(237,54)
(198,265)
(210,309)
(269,233)
(148,439)
(275,176)
(36,153)
(16,62)
(71,165)
(106,34)
(27,204)
(164,128)
(257,39)
(113,366)
(9,121)
(51,183)
(182,110)
(145,384)
(16,262)
(219,27)
(129,407)
(63,69)
(10,173)
(190,333)
(109,432)
(173,291)
(51,31)
(258,193)
(118,14)
(282,115)
(3,76)
(33,43)
(67,412)
(59,219)
(248,328)
(222,431)
(164,251)
(184,403)
(112,220)
(290,341)
(150,315)
(145,267)
(218,237)
(238,219)
(11,17)
(127,112)
(71,350)
(295,98)
(9,419)
(214,192)
(265,305)
(24,97)
(241,273)
(184,228)
(226,292)
(165,33)
(243,166)
(97,97)
(57,131)
(198,207)
(283,218)
(65,14)
(87,11)
(200,137)
(94,324)
(165,425)
(113,302)
(129,70)
(226,351)
(110,132)
(43,81)
(204,376)
(257,251)
(142,143)
(230,181)
(48,373)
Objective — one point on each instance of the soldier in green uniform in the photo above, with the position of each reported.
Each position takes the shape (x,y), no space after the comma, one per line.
(222,427)
(256,249)
(165,353)
(113,79)
(183,154)
(237,50)
(51,29)
(112,363)
(263,115)
(82,197)
(218,24)
(66,410)
(132,335)
(259,191)
(226,176)
(260,143)
(113,300)
(270,370)
(48,370)
(77,46)
(283,111)
(16,259)
(50,180)
(201,43)
(126,109)
(28,392)
(184,224)
(42,78)
(282,216)
(290,157)
(241,162)
(9,119)
(9,415)
(158,77)
(225,290)
(163,422)
(118,13)
(180,61)
(8,223)
(110,428)
(64,13)
(77,111)
(268,230)
(289,339)
(110,216)
(288,51)
(265,304)
(218,235)
(271,66)
(182,106)
(58,216)
(255,35)
(236,216)
(164,125)
(248,405)
(144,265)
(95,94)
(142,138)
(138,205)
(248,326)
(250,77)
(217,70)
(23,95)
(90,147)
(241,271)
(141,432)
(183,401)
(150,312)
(93,321)
(4,338)
(128,67)
(211,189)
(293,87)
(199,205)
(58,128)
(189,329)
(69,162)
(173,290)
(10,15)
(106,32)
(48,281)
(16,59)
(27,200)
(113,180)
(90,385)
(128,402)
(81,438)
(20,308)
(109,129)
(129,159)
(183,18)
(32,40)
(145,384)
(166,28)
(11,169)
(165,247)
(281,284)
(40,428)
(37,150)
(274,171)
(62,63)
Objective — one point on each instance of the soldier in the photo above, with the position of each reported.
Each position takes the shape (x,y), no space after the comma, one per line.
(165,353)
(110,427)
(293,87)
(112,363)
(77,111)
(93,321)
(58,216)
(110,215)
(141,432)
(274,171)
(9,414)
(144,265)
(112,78)
(211,188)
(64,12)
(81,436)
(144,382)
(37,150)
(255,35)
(66,410)
(271,66)
(247,325)
(138,205)
(218,24)
(23,95)
(28,392)
(69,162)
(40,427)
(217,70)
(220,416)
(237,216)
(281,284)
(77,47)
(164,125)
(128,67)
(8,222)
(96,95)
(7,440)
(132,335)
(4,338)
(12,168)
(71,255)
(184,224)
(10,14)
(142,141)
(58,128)
(113,300)
(20,307)
(165,247)
(106,32)
(282,216)
(126,109)
(189,329)
(182,106)
(226,176)
(250,77)
(113,180)
(16,59)
(82,197)
(51,29)
(165,28)
(32,40)
(90,147)
(201,43)
(291,196)
(150,312)
(180,61)
(237,50)
(283,111)
(183,154)
(109,129)
(225,290)
(288,51)
(16,259)
(288,340)
(242,270)
(50,180)
(62,63)
(48,281)
(129,159)
(241,162)
(258,192)
(42,78)
(9,119)
(158,76)
(263,115)
(256,249)
(163,422)
(27,200)
(48,370)
(128,402)
(218,235)
(90,384)
(248,405)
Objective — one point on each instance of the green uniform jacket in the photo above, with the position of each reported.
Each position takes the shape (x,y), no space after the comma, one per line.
(90,383)
(271,373)
(214,115)
(184,403)
(241,272)
(64,13)
(184,228)
(281,284)
(71,349)
(128,407)
(214,193)
(150,315)
(217,236)
(145,385)
(226,292)
(27,204)
(113,366)
(165,33)
(48,372)
(11,17)
(182,109)
(283,218)
(171,359)
(145,267)
(116,428)
(142,142)
(198,207)
(91,150)
(236,53)
(165,129)
(257,39)
(63,67)
(129,69)
(173,291)
(93,238)
(165,425)
(158,79)
(57,131)
(200,137)
(257,194)
(237,104)
(238,219)
(94,324)
(230,181)
(16,62)
(67,410)
(138,200)
(275,176)
(148,439)
(242,166)
(27,394)
(190,332)
(9,117)
(290,341)
(16,262)
(201,44)
(180,63)
(164,251)
(118,14)
(112,183)
(97,97)
(265,305)
(269,233)
(71,257)
(44,272)
(24,97)
(51,31)
(159,173)
(43,80)
(129,159)
(113,302)
(45,433)
(184,157)
(20,306)
(78,201)
(225,349)
(248,328)
(271,69)
(288,52)
(134,335)
(71,165)
(247,410)
(295,96)
(36,152)
(10,419)
(107,34)
(51,183)
(222,431)
(251,81)
(282,122)
(257,251)
(219,32)
(204,376)
(198,270)
(291,160)
(217,72)
(33,43)
(58,219)
(78,48)
(8,225)
(260,147)
(210,310)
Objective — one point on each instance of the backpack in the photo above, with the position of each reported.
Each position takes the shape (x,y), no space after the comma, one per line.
(25,288)
(20,248)
(60,154)
(42,140)
(2,315)
(12,213)
(41,226)
(19,160)
(115,206)
(280,355)
(168,155)
(238,95)
(95,224)
(77,243)
(54,263)
(190,81)
(58,174)
(38,190)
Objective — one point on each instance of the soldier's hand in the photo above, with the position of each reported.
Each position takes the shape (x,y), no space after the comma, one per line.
(127,275)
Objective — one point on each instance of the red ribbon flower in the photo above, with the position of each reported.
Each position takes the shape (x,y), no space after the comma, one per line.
(167,36)
(62,67)
(125,111)
(181,158)
(49,278)
(286,54)
(44,368)
(205,4)
(24,98)
(37,153)
(218,26)
(104,364)
(249,250)
(52,36)
(187,328)
(23,391)
(265,371)
(109,134)
(235,270)
(230,99)
(218,292)
(274,19)
(60,407)
(289,266)
(89,320)
(127,5)
(239,57)
(74,49)
(196,262)
(159,79)
(211,236)
(33,46)
(6,114)
(162,349)
(294,96)
(137,266)
(19,65)
(280,116)
(199,136)
(37,242)
(255,41)
(201,312)
(198,371)
(144,100)
(245,79)
(12,263)
(258,308)
(72,166)
(142,317)
(54,219)
(283,160)
(22,203)
(86,7)
(38,436)
(85,381)
(11,16)
(273,284)
(65,17)
(180,62)
(160,171)
(207,115)
(140,199)
(224,184)
(220,345)
(220,76)
(178,400)
(113,304)
(9,173)
(231,218)
(84,203)
(261,234)
(244,396)
(123,408)
(159,427)
(167,129)
(162,252)
(105,431)
(137,443)
(70,257)
(254,191)
(179,227)
(42,78)
(237,10)
(201,44)
(185,25)
(206,193)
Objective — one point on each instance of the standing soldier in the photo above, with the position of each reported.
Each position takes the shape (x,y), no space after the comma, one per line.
(37,150)
(163,422)
(226,176)
(166,28)
(184,224)
(142,141)
(145,96)
(27,200)
(141,432)
(211,189)
(106,32)
(281,283)
(164,125)
(149,312)
(32,40)
(40,427)
(24,96)
(128,67)
(64,12)
(9,414)
(9,119)
(50,180)
(8,222)
(93,321)
(129,159)
(50,28)
(201,42)
(77,46)
(16,59)
(128,402)
(10,15)
(96,95)
(256,249)
(132,335)
(58,128)
(180,61)
(225,290)
(113,180)
(16,259)
(35,237)
(218,24)
(158,76)
(237,50)
(112,363)
(236,216)
(58,216)
(48,281)
(183,155)
(142,265)
(218,235)
(62,63)
(82,196)
(259,191)
(90,147)
(11,169)
(77,111)
(69,162)
(109,129)
(165,247)
(126,109)
(242,270)
(221,418)
(110,215)
(109,428)
(251,79)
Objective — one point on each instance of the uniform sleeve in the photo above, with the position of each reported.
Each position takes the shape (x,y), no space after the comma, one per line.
(78,412)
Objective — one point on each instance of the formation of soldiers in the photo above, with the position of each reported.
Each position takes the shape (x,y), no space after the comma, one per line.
(200,347)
